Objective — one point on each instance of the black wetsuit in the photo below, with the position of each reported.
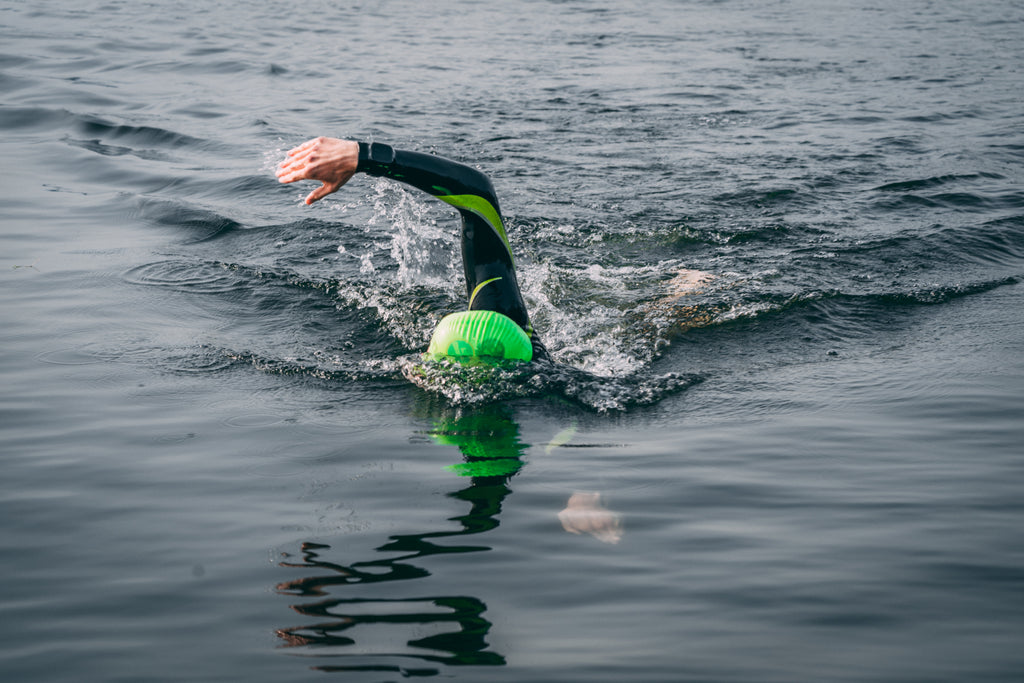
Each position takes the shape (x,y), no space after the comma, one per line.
(486,255)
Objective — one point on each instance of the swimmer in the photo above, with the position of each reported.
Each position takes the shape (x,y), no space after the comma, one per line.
(491,283)
(496,324)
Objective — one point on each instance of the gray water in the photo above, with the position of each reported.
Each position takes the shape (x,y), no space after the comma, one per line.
(222,459)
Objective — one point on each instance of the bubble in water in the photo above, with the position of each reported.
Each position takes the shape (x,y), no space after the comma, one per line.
(366,264)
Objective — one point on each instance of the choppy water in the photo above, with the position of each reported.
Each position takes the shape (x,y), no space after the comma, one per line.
(216,467)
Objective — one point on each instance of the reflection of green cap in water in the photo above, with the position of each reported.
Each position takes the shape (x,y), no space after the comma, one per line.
(479,335)
(489,440)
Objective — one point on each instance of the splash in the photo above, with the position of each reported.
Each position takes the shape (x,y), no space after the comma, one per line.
(425,253)
(465,385)
(613,321)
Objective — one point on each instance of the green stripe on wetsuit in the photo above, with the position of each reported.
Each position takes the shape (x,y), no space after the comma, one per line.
(482,208)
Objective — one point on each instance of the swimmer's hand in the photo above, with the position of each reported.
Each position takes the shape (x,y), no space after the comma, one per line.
(331,161)
(584,513)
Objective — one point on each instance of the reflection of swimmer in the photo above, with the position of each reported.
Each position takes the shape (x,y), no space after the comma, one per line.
(585,513)
(488,439)
(483,331)
(365,631)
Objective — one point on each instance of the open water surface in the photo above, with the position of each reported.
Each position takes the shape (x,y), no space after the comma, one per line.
(222,460)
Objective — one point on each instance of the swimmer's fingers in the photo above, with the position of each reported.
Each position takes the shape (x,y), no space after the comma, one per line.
(305,146)
(283,172)
(300,155)
(322,191)
(291,174)
(297,166)
(300,163)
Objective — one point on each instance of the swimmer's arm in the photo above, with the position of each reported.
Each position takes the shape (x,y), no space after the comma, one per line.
(437,176)
(333,162)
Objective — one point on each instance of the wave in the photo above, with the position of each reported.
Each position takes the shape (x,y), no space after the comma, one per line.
(950,193)
(202,224)
(142,135)
(957,201)
(27,118)
(34,118)
(943,248)
(115,150)
(935,181)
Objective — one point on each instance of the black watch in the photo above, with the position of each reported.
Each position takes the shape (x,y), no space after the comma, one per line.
(375,152)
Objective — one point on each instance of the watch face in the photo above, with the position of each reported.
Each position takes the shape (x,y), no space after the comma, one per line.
(382,154)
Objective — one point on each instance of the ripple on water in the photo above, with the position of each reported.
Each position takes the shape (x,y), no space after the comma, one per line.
(246,420)
(75,355)
(194,360)
(187,276)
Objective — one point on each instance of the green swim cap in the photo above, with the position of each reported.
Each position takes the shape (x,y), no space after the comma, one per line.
(479,334)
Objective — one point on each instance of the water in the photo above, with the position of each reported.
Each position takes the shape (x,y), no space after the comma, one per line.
(808,460)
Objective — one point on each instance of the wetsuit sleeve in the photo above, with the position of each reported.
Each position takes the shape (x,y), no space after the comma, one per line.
(465,188)
(487,259)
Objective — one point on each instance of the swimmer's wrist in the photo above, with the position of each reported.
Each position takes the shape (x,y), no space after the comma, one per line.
(374,156)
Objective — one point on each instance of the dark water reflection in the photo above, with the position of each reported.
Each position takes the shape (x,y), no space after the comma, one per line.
(464,644)
(489,442)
